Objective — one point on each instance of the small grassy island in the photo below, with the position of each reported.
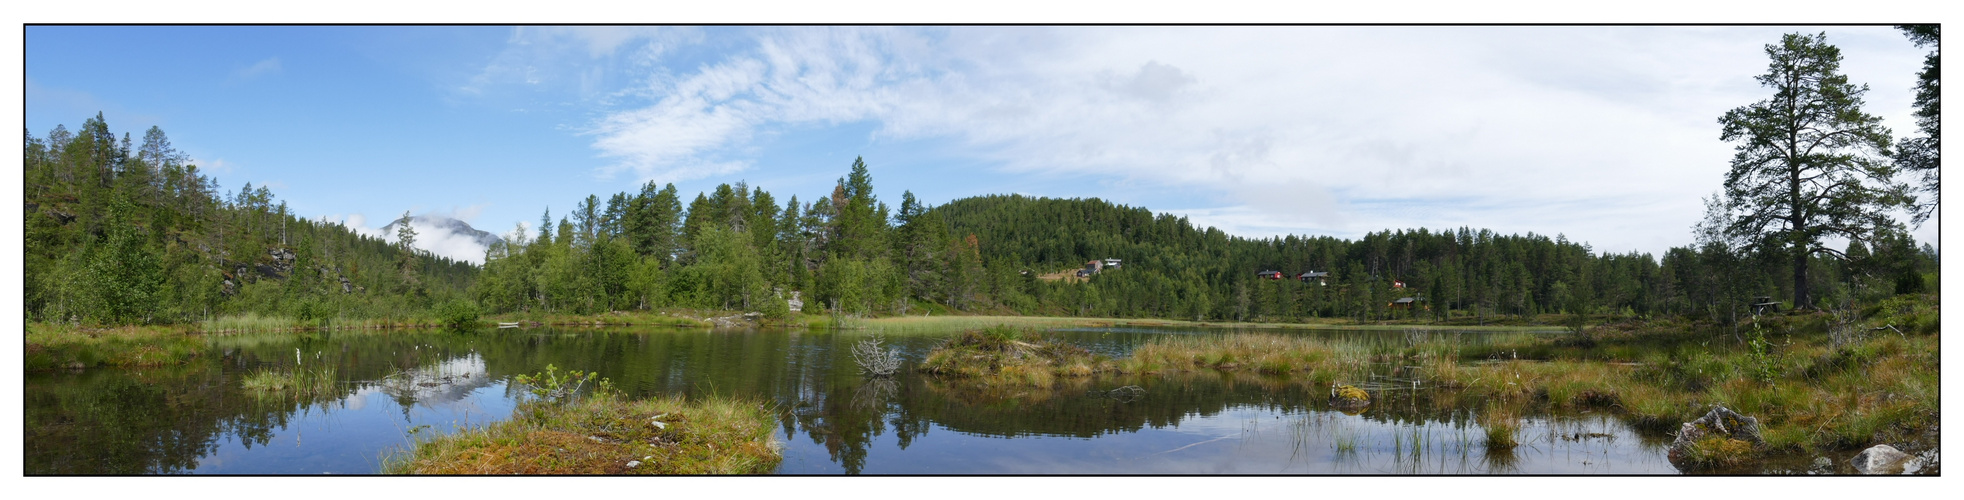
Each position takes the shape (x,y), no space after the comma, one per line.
(605,432)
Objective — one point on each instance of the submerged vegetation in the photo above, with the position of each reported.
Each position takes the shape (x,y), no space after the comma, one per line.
(601,431)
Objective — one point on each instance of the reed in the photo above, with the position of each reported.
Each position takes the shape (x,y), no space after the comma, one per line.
(1501,427)
(298,384)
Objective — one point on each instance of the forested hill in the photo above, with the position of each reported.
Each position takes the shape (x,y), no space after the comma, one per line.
(117,232)
(1054,233)
(1173,269)
(122,233)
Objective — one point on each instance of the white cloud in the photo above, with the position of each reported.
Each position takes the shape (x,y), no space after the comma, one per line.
(438,240)
(1284,129)
(357,223)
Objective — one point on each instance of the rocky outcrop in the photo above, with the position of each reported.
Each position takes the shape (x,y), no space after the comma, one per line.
(1720,439)
(1883,459)
(737,320)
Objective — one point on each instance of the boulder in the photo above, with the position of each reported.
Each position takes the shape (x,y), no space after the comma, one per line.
(1881,459)
(1722,438)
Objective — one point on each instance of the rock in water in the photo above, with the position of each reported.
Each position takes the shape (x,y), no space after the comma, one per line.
(1881,459)
(1721,438)
(1349,398)
(1821,466)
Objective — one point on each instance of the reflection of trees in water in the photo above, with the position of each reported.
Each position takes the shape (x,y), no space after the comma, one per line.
(164,420)
(873,394)
(154,421)
(1090,407)
(846,426)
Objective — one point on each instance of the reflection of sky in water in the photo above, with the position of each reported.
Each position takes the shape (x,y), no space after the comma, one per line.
(1254,440)
(344,436)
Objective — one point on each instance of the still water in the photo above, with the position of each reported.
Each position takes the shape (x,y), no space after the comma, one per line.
(397,387)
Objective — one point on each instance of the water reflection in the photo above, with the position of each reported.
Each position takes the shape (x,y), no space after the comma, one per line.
(400,386)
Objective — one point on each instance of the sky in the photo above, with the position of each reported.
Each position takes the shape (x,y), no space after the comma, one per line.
(1605,135)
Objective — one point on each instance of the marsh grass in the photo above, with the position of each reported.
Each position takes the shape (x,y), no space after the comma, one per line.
(1502,427)
(1811,388)
(52,346)
(604,434)
(302,384)
(1007,355)
(249,322)
(940,323)
(668,317)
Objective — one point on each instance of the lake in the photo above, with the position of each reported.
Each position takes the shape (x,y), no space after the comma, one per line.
(395,387)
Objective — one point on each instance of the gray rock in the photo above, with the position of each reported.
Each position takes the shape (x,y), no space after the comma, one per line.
(1720,421)
(1882,459)
(1822,466)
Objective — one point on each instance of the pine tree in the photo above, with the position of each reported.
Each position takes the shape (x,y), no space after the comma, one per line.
(1809,162)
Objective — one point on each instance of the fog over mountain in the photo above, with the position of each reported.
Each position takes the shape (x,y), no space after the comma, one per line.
(445,236)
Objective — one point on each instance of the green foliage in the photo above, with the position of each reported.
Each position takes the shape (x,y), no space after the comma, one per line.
(559,387)
(1920,155)
(1759,360)
(458,314)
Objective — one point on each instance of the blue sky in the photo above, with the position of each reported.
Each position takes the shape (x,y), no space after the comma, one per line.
(1608,135)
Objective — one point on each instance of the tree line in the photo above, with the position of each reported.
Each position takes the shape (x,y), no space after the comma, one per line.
(121,232)
(117,233)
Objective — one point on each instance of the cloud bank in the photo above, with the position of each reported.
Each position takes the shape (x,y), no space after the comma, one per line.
(446,234)
(1607,134)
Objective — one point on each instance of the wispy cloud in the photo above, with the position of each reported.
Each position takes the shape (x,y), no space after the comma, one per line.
(592,61)
(267,66)
(214,165)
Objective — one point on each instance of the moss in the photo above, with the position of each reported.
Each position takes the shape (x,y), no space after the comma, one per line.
(1349,396)
(1717,452)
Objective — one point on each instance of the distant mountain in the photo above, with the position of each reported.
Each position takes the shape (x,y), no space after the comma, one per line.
(446,236)
(445,224)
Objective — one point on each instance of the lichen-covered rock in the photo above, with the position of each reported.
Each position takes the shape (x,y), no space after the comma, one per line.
(1349,397)
(1881,459)
(1720,439)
